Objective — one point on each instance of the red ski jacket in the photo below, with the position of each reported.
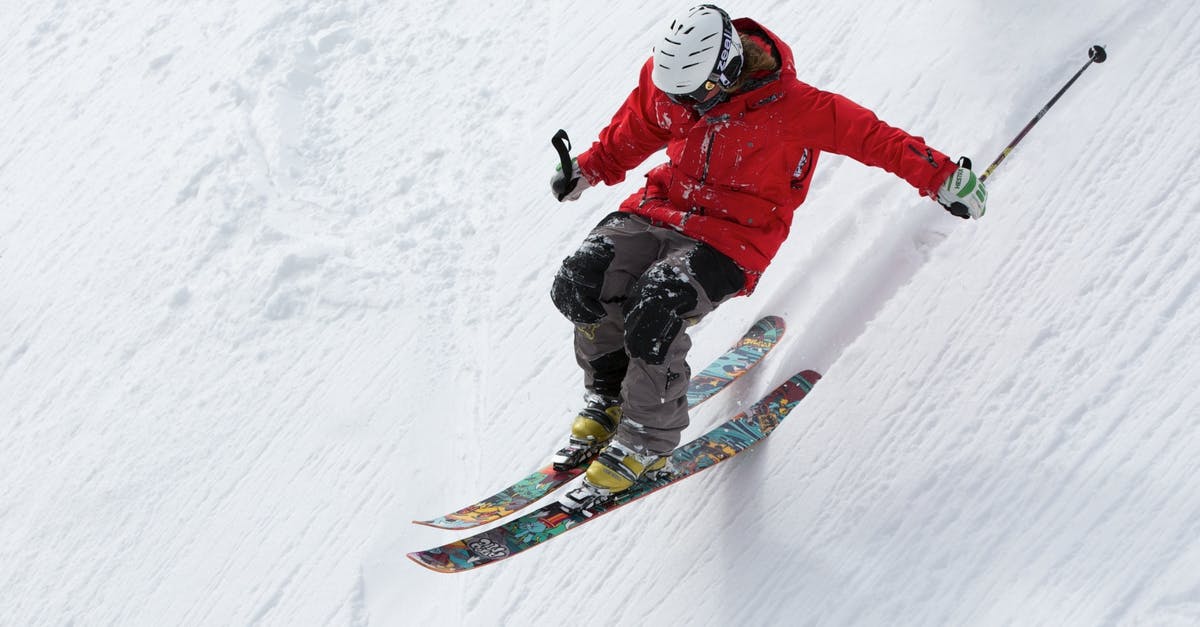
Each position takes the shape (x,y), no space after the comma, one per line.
(736,174)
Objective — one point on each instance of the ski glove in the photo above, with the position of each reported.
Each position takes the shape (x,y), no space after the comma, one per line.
(963,194)
(568,187)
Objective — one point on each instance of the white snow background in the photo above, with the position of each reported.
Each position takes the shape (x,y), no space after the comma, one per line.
(274,282)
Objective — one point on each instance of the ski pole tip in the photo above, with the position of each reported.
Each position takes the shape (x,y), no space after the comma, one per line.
(1097,54)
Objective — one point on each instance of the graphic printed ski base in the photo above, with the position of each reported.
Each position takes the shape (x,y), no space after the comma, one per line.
(724,441)
(727,368)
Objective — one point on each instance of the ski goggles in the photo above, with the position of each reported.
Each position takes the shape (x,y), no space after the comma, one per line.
(699,94)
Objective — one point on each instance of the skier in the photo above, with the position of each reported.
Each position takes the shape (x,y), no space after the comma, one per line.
(743,137)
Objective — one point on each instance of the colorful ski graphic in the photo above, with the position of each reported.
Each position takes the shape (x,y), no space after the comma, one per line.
(727,368)
(721,443)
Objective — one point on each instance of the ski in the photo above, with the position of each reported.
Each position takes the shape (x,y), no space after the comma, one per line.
(735,362)
(721,443)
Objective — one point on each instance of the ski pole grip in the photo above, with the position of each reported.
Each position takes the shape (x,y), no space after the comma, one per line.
(566,184)
(562,144)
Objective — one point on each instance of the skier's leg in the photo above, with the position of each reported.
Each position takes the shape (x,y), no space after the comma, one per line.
(590,288)
(687,284)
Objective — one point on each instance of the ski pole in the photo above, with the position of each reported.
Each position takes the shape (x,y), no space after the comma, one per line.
(1096,54)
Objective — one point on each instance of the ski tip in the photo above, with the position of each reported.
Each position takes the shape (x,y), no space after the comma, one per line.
(774,322)
(436,567)
(430,560)
(806,379)
(447,525)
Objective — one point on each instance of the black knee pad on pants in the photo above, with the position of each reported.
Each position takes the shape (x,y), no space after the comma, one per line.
(576,290)
(654,313)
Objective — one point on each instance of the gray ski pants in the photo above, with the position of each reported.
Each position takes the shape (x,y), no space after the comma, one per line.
(631,290)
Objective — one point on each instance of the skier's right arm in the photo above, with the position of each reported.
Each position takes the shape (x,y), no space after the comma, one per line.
(631,137)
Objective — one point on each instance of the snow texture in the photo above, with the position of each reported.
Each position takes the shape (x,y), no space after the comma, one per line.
(274,282)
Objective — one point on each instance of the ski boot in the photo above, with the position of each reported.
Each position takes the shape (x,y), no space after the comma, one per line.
(616,470)
(592,429)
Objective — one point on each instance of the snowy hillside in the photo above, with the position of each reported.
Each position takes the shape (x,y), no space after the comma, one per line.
(274,282)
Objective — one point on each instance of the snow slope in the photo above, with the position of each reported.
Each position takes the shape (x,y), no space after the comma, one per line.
(273,282)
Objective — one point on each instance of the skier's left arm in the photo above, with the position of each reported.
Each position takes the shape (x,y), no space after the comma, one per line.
(847,128)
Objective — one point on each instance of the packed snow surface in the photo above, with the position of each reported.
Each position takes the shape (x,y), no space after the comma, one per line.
(274,282)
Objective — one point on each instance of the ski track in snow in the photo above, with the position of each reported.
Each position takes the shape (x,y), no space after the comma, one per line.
(275,282)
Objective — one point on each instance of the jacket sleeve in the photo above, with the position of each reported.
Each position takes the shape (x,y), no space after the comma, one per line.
(630,138)
(837,124)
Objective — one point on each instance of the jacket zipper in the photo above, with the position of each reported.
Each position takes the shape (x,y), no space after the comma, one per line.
(710,138)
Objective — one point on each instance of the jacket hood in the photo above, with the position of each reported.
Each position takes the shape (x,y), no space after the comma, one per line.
(768,89)
(787,65)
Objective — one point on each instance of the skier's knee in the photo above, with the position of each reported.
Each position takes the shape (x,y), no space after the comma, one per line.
(654,313)
(576,290)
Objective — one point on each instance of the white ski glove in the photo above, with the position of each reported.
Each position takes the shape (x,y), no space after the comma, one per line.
(568,187)
(963,194)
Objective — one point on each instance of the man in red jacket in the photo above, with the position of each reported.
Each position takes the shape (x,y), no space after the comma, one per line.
(743,137)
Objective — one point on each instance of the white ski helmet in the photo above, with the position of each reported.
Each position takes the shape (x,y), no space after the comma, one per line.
(698,52)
